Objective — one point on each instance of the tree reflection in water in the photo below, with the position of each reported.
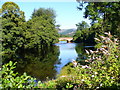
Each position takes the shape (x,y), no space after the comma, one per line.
(82,56)
(46,63)
(39,64)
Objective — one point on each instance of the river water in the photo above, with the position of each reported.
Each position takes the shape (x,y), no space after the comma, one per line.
(47,63)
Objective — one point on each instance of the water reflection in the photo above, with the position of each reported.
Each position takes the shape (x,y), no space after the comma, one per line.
(70,51)
(37,64)
(67,53)
(47,62)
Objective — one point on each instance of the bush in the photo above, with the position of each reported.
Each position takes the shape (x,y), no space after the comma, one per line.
(103,70)
(10,79)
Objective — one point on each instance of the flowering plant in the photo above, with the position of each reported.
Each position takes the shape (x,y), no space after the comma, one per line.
(103,71)
(103,68)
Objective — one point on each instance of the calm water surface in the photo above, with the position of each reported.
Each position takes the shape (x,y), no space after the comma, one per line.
(67,53)
(46,63)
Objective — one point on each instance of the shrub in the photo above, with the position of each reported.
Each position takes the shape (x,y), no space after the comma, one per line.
(10,79)
(103,70)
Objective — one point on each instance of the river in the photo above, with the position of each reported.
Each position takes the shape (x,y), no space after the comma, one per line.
(47,63)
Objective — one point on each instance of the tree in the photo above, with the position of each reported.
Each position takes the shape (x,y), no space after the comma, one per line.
(13,26)
(83,34)
(44,12)
(82,25)
(41,29)
(103,16)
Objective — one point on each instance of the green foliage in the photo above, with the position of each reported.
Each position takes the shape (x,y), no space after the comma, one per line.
(38,32)
(10,79)
(13,22)
(41,29)
(10,6)
(69,85)
(103,16)
(83,33)
(44,12)
(81,26)
(48,84)
(103,70)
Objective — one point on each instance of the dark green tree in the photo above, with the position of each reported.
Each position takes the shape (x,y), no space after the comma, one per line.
(83,33)
(82,25)
(104,16)
(13,26)
(41,29)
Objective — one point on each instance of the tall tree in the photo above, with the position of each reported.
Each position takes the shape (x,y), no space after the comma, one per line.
(12,26)
(104,16)
(41,29)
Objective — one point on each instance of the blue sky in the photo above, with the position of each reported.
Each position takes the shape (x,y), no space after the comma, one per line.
(67,13)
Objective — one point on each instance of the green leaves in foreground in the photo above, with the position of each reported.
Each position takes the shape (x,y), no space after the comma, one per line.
(10,79)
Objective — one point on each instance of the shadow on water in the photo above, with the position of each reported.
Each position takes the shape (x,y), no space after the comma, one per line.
(80,49)
(49,61)
(38,64)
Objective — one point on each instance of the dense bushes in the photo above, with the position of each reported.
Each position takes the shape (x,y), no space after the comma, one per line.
(102,72)
(11,79)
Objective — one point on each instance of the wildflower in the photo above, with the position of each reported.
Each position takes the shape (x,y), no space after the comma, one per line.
(104,46)
(83,66)
(82,80)
(87,51)
(112,77)
(92,75)
(101,49)
(106,33)
(96,73)
(103,37)
(108,39)
(116,56)
(99,58)
(103,62)
(91,51)
(93,57)
(109,34)
(97,87)
(115,40)
(87,66)
(101,84)
(63,76)
(97,39)
(74,63)
(105,52)
(86,60)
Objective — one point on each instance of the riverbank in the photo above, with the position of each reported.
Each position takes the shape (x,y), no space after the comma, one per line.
(102,72)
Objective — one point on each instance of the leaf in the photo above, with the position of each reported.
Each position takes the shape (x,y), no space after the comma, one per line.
(10,63)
